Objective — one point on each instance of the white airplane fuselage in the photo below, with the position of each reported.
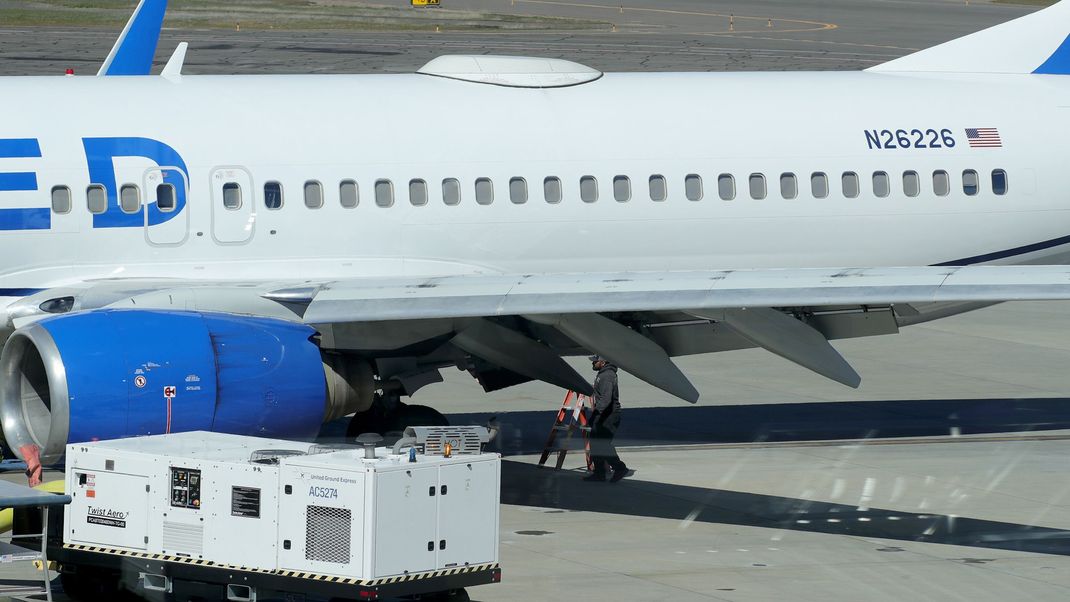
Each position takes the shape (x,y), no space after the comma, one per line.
(250,130)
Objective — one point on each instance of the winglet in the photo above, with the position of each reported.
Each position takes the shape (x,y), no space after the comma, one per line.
(173,68)
(1035,43)
(134,50)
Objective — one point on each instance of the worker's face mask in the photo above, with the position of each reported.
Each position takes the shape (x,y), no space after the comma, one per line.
(596,366)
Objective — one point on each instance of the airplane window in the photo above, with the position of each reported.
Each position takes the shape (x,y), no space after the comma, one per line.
(417,193)
(451,191)
(970,182)
(96,199)
(588,189)
(819,185)
(348,194)
(999,181)
(384,193)
(272,195)
(313,194)
(61,199)
(658,189)
(551,190)
(129,198)
(941,183)
(911,183)
(850,184)
(693,187)
(789,186)
(231,196)
(518,191)
(882,186)
(726,186)
(165,197)
(622,189)
(757,186)
(484,191)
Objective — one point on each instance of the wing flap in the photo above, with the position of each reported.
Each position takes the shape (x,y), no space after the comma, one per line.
(789,338)
(626,348)
(516,352)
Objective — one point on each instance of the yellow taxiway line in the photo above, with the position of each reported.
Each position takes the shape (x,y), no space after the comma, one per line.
(807,25)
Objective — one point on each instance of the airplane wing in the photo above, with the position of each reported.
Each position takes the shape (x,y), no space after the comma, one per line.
(366,300)
(524,323)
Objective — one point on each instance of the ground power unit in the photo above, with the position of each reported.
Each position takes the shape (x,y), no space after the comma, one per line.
(251,518)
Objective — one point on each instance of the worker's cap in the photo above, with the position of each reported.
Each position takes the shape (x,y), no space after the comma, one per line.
(597,358)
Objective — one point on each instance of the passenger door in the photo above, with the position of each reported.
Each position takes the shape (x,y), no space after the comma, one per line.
(166,211)
(233,205)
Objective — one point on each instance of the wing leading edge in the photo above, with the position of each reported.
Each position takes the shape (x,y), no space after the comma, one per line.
(523,324)
(368,300)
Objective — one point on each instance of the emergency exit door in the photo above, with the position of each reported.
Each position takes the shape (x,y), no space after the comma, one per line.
(233,207)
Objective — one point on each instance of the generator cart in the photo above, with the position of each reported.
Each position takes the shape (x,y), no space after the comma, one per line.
(208,516)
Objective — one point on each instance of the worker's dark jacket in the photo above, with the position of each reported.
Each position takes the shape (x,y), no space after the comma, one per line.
(607,398)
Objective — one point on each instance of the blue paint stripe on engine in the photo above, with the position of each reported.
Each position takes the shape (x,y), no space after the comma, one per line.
(1037,246)
(105,351)
(226,373)
(21,180)
(1059,62)
(11,148)
(26,219)
(269,370)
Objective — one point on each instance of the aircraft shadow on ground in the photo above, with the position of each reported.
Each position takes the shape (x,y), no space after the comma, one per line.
(529,485)
(526,432)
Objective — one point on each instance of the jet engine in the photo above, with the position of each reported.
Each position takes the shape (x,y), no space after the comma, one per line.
(108,374)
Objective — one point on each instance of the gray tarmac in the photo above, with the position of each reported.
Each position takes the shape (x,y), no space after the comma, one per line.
(941,478)
(666,35)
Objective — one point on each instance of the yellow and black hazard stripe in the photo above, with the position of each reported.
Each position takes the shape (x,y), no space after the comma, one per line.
(316,577)
(460,570)
(165,558)
(294,574)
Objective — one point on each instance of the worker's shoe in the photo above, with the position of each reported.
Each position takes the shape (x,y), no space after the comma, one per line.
(595,477)
(619,474)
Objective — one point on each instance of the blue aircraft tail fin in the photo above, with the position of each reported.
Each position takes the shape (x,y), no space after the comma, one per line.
(134,50)
(1036,43)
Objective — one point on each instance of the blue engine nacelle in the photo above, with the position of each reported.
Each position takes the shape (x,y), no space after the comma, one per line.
(110,374)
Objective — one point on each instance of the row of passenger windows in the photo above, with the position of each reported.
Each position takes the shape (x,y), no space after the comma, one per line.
(552,190)
(129,198)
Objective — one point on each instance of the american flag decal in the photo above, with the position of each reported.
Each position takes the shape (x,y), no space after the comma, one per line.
(984,138)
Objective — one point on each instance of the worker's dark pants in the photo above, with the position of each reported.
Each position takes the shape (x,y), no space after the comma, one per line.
(602,450)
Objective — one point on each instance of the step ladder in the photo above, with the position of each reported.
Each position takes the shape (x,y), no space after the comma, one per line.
(574,415)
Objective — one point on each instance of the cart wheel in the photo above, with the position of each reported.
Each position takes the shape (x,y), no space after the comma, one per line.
(89,584)
(453,595)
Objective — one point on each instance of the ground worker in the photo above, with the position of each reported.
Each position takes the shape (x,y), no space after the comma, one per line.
(604,422)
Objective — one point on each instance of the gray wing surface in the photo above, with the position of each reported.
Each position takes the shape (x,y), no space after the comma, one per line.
(476,296)
(507,329)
